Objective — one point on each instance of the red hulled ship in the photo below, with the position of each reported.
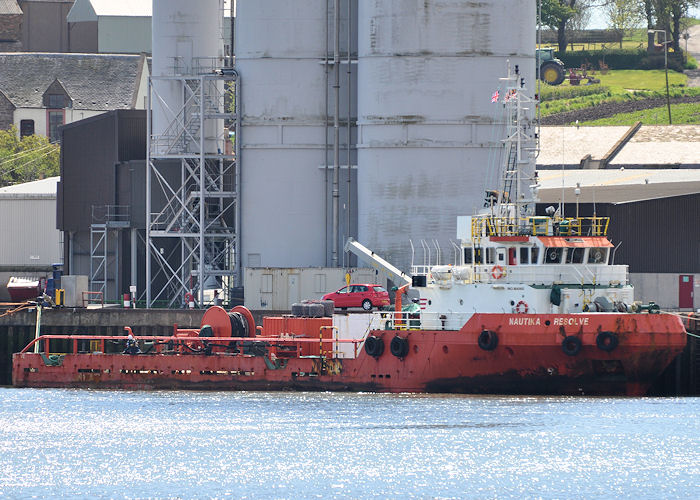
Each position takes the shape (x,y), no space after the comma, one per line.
(532,304)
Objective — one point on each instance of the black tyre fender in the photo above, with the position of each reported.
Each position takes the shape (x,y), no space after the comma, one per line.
(571,345)
(607,341)
(374,346)
(399,346)
(488,340)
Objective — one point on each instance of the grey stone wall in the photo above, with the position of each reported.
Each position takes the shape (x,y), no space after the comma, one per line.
(10,27)
(6,113)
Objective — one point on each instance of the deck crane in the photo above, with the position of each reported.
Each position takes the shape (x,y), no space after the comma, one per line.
(393,273)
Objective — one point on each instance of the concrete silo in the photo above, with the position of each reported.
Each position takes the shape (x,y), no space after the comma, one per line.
(427,131)
(187,38)
(284,54)
(191,186)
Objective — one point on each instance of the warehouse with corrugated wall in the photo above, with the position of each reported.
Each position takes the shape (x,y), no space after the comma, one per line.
(29,240)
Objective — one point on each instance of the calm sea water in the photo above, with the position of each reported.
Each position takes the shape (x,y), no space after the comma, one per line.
(121,444)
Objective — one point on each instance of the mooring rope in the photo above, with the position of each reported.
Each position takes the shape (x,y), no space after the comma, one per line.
(25,305)
(688,316)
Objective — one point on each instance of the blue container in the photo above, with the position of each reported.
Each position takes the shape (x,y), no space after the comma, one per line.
(57,273)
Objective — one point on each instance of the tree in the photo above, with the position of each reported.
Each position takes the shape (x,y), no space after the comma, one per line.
(668,15)
(27,159)
(555,14)
(582,16)
(624,15)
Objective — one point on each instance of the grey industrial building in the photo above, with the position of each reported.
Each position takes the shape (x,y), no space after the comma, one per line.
(101,199)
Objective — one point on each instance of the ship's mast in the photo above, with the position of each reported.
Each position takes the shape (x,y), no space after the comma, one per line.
(514,202)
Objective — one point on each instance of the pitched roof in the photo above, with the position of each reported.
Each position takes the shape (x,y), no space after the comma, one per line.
(96,82)
(9,7)
(90,10)
(616,185)
(44,188)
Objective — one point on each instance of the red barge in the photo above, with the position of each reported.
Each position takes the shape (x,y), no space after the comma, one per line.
(492,353)
(531,305)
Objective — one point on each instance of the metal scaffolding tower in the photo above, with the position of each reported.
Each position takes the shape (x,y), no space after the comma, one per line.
(107,222)
(192,187)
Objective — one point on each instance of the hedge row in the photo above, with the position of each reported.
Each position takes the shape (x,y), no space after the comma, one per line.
(553,93)
(619,59)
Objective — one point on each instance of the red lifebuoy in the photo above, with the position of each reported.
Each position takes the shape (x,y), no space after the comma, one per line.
(521,307)
(497,272)
(189,298)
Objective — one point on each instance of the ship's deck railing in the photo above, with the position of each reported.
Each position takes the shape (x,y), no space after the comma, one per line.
(539,226)
(76,344)
(422,320)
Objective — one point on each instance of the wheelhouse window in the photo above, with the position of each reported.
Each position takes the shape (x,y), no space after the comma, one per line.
(468,256)
(490,255)
(553,255)
(575,255)
(534,254)
(597,255)
(478,256)
(524,255)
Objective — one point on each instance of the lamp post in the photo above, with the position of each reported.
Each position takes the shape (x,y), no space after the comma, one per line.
(668,100)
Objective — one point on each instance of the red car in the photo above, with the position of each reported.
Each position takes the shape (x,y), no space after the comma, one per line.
(364,296)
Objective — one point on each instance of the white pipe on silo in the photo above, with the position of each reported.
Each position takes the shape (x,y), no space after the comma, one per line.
(336,130)
(283,57)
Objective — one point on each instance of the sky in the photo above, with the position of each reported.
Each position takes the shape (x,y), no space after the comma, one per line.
(598,20)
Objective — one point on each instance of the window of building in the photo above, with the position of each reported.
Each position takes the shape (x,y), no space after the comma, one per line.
(26,128)
(55,101)
(55,120)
